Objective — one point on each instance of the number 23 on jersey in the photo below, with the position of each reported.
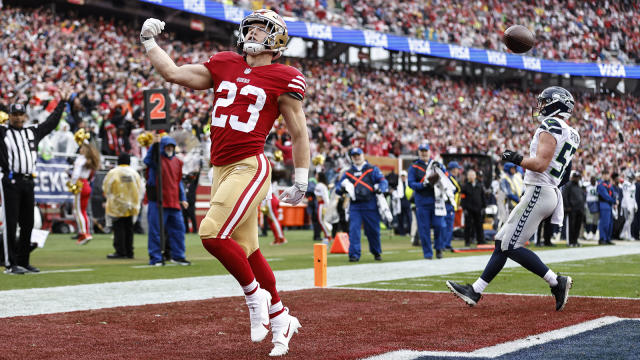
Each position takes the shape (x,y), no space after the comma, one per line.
(234,121)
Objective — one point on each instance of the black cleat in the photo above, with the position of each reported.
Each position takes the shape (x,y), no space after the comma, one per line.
(439,254)
(561,291)
(32,268)
(377,257)
(16,270)
(353,259)
(183,262)
(464,292)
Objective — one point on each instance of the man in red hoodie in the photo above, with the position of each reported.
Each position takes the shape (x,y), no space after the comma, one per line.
(173,197)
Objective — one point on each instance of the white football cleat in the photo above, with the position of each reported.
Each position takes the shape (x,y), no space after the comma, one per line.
(258,304)
(283,330)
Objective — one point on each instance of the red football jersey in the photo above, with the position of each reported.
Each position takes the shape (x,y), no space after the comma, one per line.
(245,104)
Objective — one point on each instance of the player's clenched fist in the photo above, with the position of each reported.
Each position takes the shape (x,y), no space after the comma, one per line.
(150,28)
(512,156)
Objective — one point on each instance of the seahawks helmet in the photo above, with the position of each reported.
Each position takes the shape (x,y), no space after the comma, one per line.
(555,100)
(275,28)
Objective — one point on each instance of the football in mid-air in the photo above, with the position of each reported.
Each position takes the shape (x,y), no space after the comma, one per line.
(518,39)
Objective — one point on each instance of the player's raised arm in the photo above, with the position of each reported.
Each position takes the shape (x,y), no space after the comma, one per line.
(194,76)
(291,110)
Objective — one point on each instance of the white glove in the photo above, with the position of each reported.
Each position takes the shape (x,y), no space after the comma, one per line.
(150,28)
(294,194)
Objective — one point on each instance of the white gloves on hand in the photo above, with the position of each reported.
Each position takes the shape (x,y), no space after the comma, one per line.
(349,188)
(294,194)
(150,28)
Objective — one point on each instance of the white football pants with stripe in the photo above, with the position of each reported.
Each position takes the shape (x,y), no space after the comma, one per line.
(537,204)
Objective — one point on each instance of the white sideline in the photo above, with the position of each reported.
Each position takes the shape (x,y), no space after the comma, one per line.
(504,348)
(142,292)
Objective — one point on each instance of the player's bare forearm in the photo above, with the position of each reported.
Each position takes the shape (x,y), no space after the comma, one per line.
(296,121)
(194,76)
(544,155)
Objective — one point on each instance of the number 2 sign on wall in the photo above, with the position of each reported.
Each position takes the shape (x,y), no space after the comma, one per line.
(156,109)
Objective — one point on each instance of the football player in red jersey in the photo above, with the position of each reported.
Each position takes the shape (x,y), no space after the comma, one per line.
(250,93)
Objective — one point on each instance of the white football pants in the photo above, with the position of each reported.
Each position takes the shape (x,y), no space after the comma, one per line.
(537,204)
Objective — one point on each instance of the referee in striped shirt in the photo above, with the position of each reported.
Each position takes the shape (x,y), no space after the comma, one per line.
(18,155)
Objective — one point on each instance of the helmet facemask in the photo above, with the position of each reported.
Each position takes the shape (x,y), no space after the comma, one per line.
(554,101)
(274,28)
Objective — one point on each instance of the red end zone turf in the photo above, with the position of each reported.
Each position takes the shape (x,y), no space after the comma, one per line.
(336,324)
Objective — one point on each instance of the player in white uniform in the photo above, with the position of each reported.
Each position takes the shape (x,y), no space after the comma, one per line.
(629,206)
(551,151)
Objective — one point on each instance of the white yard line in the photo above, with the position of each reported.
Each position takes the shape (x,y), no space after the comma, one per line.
(142,292)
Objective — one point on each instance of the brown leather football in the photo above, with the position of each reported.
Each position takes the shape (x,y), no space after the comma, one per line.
(518,39)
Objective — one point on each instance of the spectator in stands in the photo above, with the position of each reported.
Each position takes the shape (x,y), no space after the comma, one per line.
(123,188)
(84,169)
(473,204)
(422,179)
(606,202)
(361,182)
(574,200)
(173,197)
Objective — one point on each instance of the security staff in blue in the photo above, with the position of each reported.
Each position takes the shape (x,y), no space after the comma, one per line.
(422,182)
(361,181)
(453,170)
(606,202)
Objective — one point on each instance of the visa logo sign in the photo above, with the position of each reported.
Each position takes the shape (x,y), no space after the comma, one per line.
(497,58)
(459,52)
(531,63)
(233,14)
(376,39)
(419,46)
(612,70)
(197,6)
(319,31)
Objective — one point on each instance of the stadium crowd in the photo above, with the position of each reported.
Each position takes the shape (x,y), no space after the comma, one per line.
(387,113)
(602,31)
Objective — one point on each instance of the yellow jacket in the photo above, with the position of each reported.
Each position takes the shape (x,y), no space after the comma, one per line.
(123,188)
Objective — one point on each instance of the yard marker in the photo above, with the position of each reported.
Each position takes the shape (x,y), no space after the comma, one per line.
(340,244)
(320,265)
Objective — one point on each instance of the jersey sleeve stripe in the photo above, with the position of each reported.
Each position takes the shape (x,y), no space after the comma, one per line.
(301,83)
(555,130)
(301,78)
(295,87)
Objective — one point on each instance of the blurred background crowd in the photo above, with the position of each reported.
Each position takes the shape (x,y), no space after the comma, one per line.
(387,113)
(595,31)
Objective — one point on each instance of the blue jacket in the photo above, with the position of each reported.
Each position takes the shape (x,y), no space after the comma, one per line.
(152,163)
(423,193)
(364,182)
(605,195)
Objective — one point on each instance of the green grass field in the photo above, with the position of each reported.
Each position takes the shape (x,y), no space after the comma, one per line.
(617,276)
(65,263)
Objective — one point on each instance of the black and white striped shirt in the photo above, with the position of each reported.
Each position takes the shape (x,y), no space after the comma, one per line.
(18,148)
(21,149)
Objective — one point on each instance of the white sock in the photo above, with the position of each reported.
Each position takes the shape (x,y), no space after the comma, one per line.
(480,285)
(274,308)
(551,278)
(250,289)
